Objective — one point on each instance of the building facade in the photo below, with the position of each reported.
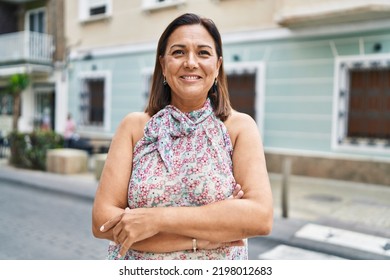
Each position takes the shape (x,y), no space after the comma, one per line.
(32,42)
(315,75)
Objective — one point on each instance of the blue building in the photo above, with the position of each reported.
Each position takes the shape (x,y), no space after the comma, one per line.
(317,84)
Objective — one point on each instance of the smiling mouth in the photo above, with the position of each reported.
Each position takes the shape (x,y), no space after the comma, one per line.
(190,78)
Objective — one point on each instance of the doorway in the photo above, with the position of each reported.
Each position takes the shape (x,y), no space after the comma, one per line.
(44,116)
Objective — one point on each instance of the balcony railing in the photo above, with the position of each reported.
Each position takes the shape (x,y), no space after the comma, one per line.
(26,47)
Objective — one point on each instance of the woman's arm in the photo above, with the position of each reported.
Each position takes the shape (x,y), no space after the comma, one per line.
(167,242)
(111,196)
(222,221)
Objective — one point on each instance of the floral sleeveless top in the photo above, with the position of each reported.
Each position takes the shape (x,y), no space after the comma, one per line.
(183,159)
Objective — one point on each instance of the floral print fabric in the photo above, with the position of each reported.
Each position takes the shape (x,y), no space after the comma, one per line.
(184,159)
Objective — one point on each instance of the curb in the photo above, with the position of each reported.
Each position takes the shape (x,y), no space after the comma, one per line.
(80,185)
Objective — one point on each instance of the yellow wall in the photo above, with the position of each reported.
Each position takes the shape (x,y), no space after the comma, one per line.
(130,24)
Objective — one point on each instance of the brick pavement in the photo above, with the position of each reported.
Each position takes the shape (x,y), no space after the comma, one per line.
(363,207)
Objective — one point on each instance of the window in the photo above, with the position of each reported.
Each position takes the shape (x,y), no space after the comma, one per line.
(6,104)
(94,9)
(362,104)
(44,115)
(242,92)
(150,5)
(369,104)
(36,20)
(92,100)
(95,101)
(246,89)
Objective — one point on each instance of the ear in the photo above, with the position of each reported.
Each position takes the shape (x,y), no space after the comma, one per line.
(162,63)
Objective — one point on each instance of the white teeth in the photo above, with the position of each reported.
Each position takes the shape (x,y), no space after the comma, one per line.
(191,77)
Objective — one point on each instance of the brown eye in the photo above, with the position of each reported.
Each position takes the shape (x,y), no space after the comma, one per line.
(178,52)
(204,53)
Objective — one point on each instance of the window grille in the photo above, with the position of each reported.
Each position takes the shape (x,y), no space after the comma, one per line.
(92,102)
(369,104)
(361,115)
(94,9)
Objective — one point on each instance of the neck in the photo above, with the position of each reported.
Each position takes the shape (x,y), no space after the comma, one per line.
(186,106)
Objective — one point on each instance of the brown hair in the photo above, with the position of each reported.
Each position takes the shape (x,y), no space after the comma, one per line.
(160,95)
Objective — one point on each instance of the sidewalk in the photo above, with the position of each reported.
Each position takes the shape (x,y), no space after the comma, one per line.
(360,207)
(83,185)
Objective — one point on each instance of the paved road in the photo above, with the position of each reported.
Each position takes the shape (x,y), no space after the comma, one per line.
(38,224)
(41,223)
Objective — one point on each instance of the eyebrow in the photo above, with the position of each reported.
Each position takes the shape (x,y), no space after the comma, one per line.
(183,46)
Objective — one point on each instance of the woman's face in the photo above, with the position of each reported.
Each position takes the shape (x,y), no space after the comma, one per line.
(190,64)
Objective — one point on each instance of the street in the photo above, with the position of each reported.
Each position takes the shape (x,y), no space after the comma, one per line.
(40,225)
(43,224)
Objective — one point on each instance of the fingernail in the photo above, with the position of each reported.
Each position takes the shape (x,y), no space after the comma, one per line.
(240,193)
(119,256)
(102,228)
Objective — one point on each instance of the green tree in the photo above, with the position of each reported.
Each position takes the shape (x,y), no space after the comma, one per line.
(16,84)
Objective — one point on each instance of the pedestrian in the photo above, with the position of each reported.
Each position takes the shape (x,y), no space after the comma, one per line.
(70,129)
(187,178)
(46,122)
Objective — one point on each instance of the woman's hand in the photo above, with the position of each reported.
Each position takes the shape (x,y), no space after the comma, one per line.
(237,192)
(130,227)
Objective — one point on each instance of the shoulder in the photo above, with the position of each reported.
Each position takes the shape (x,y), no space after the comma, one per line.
(238,121)
(133,125)
(238,117)
(239,124)
(135,119)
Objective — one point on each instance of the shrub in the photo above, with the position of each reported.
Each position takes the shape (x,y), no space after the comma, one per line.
(28,150)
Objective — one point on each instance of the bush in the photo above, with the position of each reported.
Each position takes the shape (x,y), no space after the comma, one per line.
(28,150)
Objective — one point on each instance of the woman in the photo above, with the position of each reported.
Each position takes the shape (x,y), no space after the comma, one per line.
(70,129)
(164,190)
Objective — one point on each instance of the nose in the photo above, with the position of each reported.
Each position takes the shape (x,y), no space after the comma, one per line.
(191,61)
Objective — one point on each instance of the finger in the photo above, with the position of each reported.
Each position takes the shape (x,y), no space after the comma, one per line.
(239,195)
(238,192)
(124,248)
(236,189)
(111,223)
(116,235)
